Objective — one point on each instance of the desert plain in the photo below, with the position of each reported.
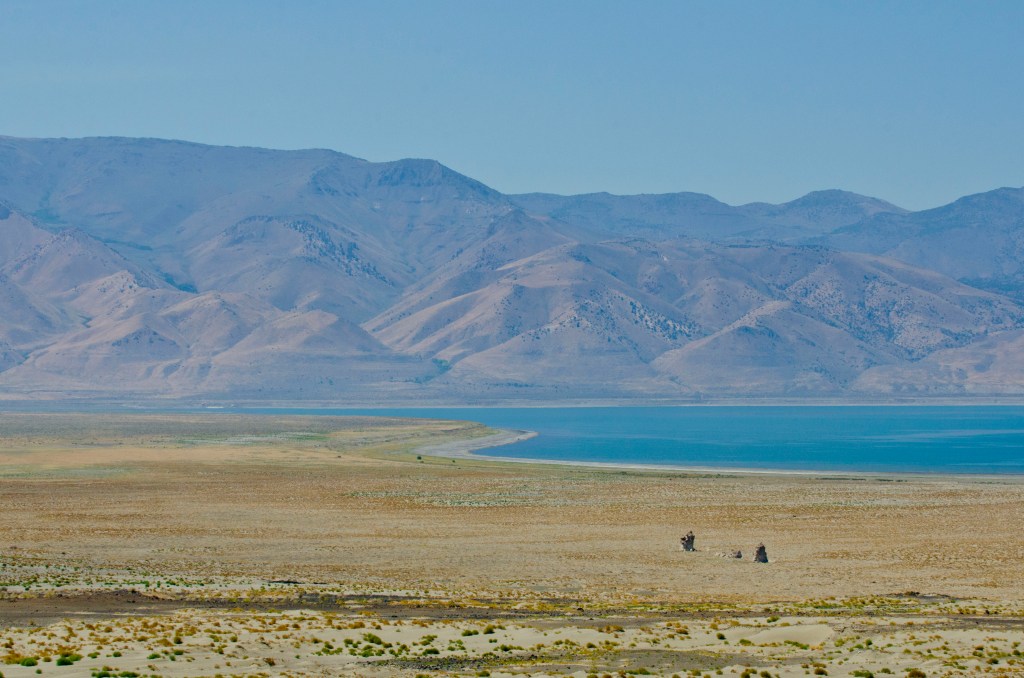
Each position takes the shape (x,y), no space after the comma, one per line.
(222,544)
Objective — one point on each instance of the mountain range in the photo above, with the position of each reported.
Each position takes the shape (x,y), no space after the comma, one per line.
(143,268)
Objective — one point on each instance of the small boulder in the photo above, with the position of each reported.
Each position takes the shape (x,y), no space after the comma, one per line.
(686,543)
(761,555)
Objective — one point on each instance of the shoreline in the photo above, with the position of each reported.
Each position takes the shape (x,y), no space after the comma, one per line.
(465,449)
(103,404)
(468,449)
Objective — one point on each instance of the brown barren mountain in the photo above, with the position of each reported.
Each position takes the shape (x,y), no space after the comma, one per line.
(145,268)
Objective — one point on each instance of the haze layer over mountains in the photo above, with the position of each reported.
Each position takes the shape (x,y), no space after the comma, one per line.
(147,268)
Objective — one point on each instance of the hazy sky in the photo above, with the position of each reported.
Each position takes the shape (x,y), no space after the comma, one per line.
(915,102)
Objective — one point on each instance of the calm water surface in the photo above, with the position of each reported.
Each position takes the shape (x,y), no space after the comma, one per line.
(926,439)
(929,439)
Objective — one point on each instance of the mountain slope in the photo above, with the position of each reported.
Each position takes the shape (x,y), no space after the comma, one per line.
(149,268)
(177,209)
(686,316)
(978,239)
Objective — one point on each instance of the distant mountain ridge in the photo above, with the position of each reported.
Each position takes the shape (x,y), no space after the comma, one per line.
(700,216)
(150,268)
(978,239)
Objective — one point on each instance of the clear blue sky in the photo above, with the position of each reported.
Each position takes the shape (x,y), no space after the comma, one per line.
(915,102)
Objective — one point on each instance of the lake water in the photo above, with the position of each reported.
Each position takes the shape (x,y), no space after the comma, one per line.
(926,439)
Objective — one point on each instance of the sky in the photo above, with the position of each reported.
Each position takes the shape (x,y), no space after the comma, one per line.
(915,102)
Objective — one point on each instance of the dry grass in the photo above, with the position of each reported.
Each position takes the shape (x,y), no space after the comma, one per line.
(205,510)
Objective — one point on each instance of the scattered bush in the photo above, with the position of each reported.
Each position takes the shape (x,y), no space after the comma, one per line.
(64,661)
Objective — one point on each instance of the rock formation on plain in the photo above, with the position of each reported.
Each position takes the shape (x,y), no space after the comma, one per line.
(686,542)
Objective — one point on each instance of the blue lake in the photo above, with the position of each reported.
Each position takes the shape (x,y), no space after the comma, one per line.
(925,439)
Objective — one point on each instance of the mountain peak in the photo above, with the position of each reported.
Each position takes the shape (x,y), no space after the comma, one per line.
(426,173)
(1006,196)
(837,199)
